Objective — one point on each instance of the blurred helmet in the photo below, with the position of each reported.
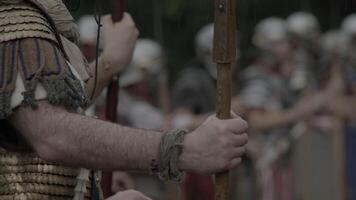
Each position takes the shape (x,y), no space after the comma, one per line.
(147,57)
(334,43)
(88,30)
(204,48)
(268,31)
(334,49)
(349,25)
(303,25)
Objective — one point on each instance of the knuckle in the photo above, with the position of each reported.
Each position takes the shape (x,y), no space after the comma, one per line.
(243,125)
(131,24)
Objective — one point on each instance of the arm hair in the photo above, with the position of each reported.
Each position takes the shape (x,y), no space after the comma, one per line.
(59,136)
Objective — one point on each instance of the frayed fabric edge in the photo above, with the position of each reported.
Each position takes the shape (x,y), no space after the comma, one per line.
(61,90)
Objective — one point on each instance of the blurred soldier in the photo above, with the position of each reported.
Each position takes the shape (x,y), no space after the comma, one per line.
(138,98)
(193,95)
(271,106)
(321,145)
(194,91)
(349,27)
(140,79)
(138,108)
(304,34)
(88,30)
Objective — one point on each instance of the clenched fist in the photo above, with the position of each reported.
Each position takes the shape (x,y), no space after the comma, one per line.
(119,41)
(129,195)
(215,146)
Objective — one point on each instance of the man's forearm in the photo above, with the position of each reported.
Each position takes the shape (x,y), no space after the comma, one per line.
(342,106)
(75,140)
(264,121)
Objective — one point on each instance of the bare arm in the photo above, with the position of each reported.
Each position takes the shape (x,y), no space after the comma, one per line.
(344,107)
(267,120)
(76,140)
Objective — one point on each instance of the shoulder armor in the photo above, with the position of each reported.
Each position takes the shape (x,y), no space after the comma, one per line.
(62,18)
(22,21)
(10,1)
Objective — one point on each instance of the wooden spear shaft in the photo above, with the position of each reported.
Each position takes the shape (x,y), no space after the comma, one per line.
(224,56)
(223,112)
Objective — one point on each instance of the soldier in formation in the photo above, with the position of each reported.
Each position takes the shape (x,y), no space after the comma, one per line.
(276,99)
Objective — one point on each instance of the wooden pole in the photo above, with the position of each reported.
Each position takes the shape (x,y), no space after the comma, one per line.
(224,56)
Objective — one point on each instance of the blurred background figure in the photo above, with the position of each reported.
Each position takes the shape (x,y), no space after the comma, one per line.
(273,109)
(193,95)
(265,90)
(314,148)
(304,35)
(349,28)
(138,107)
(88,30)
(320,145)
(194,90)
(138,103)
